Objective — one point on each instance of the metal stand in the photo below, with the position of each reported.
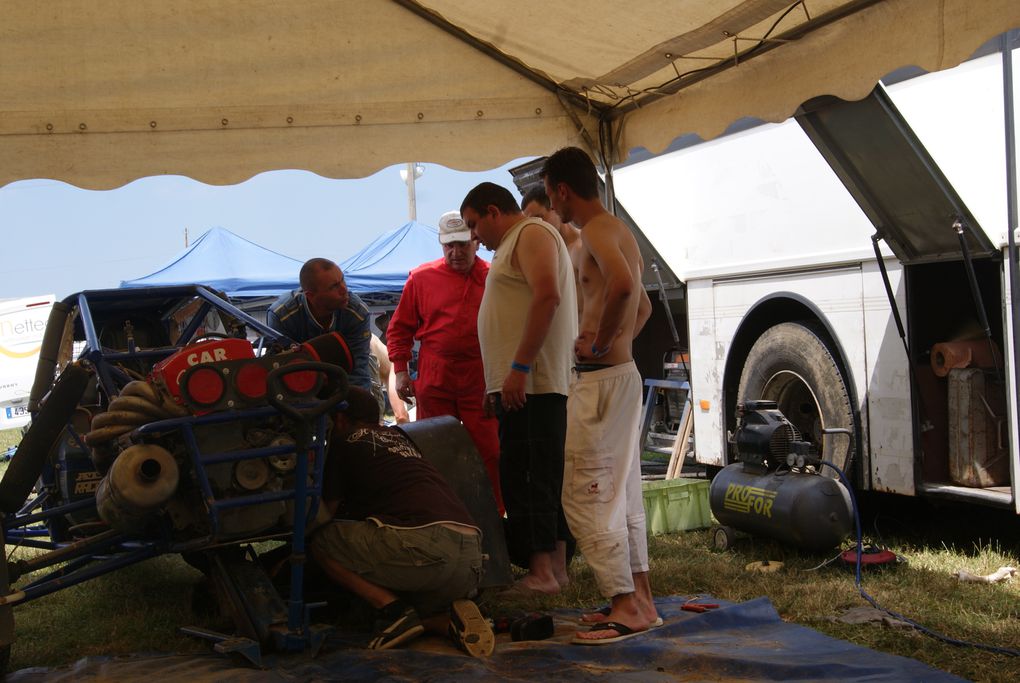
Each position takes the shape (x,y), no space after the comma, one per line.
(664,387)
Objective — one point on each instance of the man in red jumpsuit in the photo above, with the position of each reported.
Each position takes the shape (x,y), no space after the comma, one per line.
(439,308)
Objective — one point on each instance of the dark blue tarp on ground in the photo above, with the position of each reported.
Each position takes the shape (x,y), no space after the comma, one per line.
(228,263)
(746,641)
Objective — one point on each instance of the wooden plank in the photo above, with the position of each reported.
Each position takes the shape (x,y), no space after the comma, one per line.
(679,452)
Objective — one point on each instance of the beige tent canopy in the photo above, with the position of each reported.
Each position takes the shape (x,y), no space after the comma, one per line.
(101,92)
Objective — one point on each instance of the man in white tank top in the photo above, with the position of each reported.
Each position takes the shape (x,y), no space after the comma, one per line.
(526,325)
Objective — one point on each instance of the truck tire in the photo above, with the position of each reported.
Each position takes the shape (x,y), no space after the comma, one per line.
(43,432)
(791,364)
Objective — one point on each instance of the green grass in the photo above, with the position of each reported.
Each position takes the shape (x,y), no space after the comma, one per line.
(139,609)
(8,438)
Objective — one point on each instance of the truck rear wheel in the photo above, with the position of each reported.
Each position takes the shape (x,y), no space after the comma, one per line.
(791,364)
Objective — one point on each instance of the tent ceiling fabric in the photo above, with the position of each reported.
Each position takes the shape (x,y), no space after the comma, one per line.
(101,92)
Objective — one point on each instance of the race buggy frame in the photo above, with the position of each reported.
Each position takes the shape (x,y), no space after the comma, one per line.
(167,420)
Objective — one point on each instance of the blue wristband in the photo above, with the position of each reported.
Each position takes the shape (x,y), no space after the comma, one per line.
(520,367)
(597,352)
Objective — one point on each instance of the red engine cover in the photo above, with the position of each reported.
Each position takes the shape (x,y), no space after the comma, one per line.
(169,370)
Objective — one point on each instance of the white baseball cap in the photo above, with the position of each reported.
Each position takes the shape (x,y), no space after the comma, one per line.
(452,228)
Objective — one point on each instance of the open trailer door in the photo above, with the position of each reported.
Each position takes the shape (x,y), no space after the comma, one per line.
(890,174)
(955,334)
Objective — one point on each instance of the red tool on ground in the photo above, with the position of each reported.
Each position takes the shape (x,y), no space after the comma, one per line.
(699,607)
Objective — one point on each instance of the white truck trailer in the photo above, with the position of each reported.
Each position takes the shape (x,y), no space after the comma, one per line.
(771,229)
(22,322)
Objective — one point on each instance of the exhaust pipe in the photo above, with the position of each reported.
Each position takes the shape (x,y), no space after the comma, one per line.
(141,480)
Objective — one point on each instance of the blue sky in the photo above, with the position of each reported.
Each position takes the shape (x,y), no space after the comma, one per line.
(60,239)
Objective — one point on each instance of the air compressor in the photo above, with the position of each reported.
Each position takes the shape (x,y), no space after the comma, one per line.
(776,489)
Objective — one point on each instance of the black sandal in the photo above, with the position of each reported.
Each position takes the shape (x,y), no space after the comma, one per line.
(395,623)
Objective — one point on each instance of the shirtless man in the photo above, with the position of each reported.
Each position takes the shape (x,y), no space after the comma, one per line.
(536,204)
(388,380)
(602,497)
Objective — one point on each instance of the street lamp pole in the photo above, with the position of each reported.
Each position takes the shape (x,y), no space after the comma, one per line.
(408,175)
(412,209)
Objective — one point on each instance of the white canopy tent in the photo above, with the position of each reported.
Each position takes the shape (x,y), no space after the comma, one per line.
(100,92)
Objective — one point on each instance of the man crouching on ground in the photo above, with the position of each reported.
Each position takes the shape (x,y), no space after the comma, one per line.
(406,544)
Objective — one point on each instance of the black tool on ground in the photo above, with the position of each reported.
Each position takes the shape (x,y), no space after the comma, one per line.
(533,626)
(523,625)
(775,488)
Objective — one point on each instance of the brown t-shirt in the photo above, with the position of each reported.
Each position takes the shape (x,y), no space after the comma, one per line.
(379,473)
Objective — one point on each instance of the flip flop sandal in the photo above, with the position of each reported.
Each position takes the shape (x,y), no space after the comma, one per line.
(622,629)
(606,611)
(470,630)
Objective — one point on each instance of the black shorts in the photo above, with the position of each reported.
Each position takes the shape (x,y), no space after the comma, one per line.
(531,474)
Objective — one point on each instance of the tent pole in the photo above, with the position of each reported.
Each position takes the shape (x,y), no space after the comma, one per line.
(607,151)
(1005,41)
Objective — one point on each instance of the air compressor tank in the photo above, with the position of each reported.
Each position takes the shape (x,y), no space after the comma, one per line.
(801,508)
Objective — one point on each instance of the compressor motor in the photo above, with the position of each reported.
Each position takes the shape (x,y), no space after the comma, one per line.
(775,488)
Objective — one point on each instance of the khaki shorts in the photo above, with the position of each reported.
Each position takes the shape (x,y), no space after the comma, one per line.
(602,497)
(430,567)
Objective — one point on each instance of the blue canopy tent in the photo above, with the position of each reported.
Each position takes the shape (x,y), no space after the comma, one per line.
(242,269)
(229,263)
(378,272)
(381,267)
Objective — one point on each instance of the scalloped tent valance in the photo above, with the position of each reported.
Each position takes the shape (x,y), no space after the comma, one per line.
(98,93)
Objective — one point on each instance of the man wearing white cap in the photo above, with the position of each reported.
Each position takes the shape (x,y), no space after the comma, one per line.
(439,308)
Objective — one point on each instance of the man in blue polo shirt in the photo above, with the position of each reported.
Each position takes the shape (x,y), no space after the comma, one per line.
(324,305)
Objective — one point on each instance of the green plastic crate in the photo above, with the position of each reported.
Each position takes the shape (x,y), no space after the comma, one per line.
(676,505)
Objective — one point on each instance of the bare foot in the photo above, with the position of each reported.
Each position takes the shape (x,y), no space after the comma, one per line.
(530,582)
(595,617)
